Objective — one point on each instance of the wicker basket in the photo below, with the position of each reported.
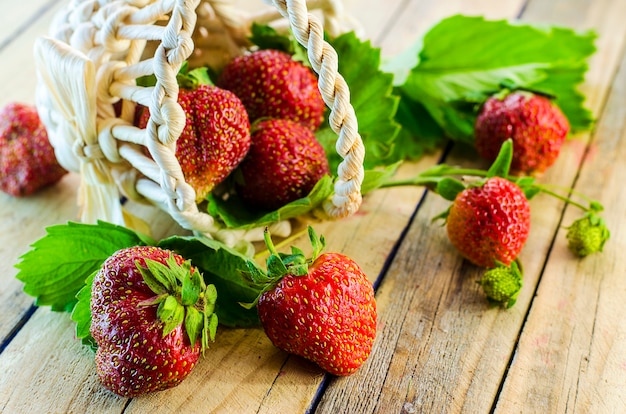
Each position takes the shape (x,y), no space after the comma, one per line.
(95,51)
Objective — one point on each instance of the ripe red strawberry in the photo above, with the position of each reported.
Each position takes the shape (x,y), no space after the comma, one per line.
(284,164)
(27,159)
(534,123)
(271,84)
(215,139)
(489,223)
(322,309)
(152,315)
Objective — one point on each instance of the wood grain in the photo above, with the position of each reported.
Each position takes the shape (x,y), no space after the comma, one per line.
(243,371)
(14,21)
(571,355)
(440,347)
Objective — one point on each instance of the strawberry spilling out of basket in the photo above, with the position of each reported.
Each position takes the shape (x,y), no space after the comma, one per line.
(27,160)
(321,308)
(257,148)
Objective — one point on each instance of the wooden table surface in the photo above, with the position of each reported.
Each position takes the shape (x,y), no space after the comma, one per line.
(440,347)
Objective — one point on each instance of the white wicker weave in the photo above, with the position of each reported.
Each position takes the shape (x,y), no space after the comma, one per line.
(95,51)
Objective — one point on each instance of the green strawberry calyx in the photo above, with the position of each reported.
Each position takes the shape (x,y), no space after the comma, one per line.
(183,298)
(280,265)
(588,234)
(502,284)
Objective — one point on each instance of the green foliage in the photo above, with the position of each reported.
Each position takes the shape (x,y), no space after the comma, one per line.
(463,60)
(236,214)
(371,95)
(56,267)
(222,267)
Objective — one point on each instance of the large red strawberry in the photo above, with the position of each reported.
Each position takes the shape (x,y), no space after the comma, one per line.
(215,139)
(27,159)
(322,308)
(534,123)
(271,84)
(284,163)
(489,223)
(152,315)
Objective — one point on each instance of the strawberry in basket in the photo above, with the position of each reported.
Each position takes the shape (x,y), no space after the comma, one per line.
(284,163)
(215,139)
(270,83)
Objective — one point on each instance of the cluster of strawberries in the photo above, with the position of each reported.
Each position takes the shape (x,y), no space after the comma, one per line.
(255,126)
(489,220)
(152,312)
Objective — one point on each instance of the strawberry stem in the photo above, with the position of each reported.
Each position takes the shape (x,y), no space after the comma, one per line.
(565,199)
(428,179)
(284,242)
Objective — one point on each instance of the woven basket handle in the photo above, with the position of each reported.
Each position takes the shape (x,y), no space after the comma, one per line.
(309,32)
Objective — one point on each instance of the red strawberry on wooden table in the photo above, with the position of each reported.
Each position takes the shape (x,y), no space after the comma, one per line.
(489,222)
(152,316)
(536,125)
(215,139)
(27,159)
(322,308)
(271,84)
(284,163)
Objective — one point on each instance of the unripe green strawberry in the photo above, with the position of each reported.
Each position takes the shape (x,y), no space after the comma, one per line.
(322,308)
(271,84)
(489,223)
(502,284)
(284,163)
(587,235)
(27,159)
(152,315)
(534,123)
(215,139)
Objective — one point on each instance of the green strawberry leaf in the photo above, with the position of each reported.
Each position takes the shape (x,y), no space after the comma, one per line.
(194,323)
(266,37)
(56,267)
(236,214)
(186,78)
(528,186)
(81,314)
(222,267)
(374,179)
(371,95)
(191,289)
(449,188)
(465,59)
(420,132)
(501,165)
(172,313)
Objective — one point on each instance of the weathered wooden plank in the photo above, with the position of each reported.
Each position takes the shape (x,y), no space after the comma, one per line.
(60,380)
(571,354)
(18,69)
(15,20)
(440,348)
(242,365)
